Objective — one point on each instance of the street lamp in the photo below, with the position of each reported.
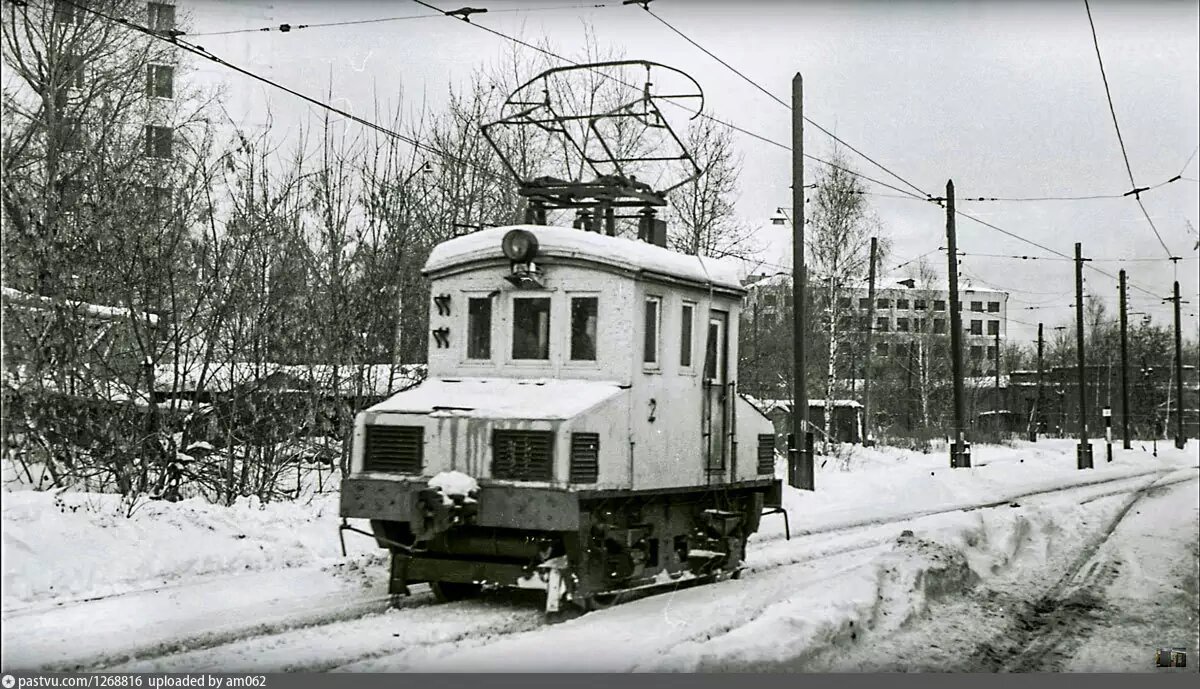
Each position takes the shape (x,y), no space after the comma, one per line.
(783,215)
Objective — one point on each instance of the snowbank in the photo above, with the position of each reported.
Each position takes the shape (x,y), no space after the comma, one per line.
(73,545)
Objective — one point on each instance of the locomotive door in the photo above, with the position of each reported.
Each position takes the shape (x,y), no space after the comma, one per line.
(716,400)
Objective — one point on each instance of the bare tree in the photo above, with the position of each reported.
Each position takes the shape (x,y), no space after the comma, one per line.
(929,340)
(839,233)
(100,138)
(702,214)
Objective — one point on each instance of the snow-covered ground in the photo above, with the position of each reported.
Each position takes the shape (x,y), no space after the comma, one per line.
(997,549)
(82,545)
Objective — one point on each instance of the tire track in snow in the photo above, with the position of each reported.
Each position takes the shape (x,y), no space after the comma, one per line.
(772,545)
(997,631)
(1070,610)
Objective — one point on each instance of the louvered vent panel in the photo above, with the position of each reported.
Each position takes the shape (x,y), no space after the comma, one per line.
(585,457)
(766,454)
(398,449)
(523,455)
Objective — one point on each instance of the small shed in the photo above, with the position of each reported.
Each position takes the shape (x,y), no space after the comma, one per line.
(847,419)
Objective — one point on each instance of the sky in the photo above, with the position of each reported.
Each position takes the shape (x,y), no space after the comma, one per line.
(1005,98)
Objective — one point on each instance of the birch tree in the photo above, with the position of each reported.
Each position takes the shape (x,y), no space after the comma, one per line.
(930,344)
(839,232)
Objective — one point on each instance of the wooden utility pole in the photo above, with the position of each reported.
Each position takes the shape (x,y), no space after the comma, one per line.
(867,356)
(800,450)
(1037,418)
(1125,438)
(960,455)
(999,406)
(1180,438)
(757,360)
(1084,452)
(908,376)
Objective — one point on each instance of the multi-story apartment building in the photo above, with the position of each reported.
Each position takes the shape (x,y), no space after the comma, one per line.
(77,98)
(904,317)
(162,93)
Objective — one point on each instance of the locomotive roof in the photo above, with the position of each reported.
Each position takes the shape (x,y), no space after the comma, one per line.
(500,398)
(619,252)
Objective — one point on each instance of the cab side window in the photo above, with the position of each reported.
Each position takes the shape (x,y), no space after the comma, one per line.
(584,311)
(531,328)
(479,328)
(652,327)
(688,315)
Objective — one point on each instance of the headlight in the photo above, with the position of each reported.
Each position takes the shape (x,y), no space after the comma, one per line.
(519,246)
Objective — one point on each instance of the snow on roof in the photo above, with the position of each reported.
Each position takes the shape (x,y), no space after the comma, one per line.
(769,405)
(35,301)
(86,382)
(508,398)
(776,280)
(571,243)
(224,376)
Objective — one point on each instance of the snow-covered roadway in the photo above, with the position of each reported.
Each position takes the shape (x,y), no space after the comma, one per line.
(983,569)
(1131,590)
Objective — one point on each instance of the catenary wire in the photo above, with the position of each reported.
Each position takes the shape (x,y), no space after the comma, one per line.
(1057,258)
(286,27)
(201,52)
(764,90)
(1048,249)
(730,125)
(423,146)
(755,84)
(1120,139)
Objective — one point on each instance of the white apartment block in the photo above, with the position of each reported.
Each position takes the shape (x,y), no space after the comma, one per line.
(904,314)
(902,317)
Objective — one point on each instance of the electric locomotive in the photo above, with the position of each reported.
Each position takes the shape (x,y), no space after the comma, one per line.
(580,429)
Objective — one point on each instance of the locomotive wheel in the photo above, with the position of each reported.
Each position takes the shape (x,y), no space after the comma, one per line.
(450,591)
(601,601)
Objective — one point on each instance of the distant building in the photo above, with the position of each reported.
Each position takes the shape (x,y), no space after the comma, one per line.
(902,316)
(1154,409)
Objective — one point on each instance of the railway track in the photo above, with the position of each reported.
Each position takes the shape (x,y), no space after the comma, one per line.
(969,506)
(423,625)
